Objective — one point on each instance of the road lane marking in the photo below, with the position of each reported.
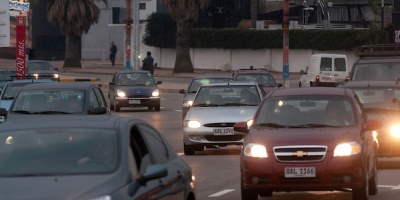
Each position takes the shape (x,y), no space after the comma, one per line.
(181,154)
(178,110)
(218,194)
(392,187)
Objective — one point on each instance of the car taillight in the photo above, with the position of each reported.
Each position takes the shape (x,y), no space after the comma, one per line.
(347,78)
(317,78)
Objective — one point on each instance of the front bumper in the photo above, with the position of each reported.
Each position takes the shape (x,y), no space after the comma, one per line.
(205,135)
(334,173)
(138,102)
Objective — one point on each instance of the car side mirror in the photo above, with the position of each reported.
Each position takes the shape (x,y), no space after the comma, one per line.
(186,105)
(56,68)
(159,82)
(111,83)
(302,71)
(98,111)
(279,85)
(182,91)
(3,112)
(241,127)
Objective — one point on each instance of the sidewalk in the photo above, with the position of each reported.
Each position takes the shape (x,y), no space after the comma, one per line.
(93,67)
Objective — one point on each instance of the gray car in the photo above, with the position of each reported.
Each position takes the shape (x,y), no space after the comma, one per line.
(215,109)
(41,69)
(106,157)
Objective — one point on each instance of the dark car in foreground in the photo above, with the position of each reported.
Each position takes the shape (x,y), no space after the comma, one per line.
(134,89)
(106,157)
(381,100)
(309,139)
(41,69)
(195,84)
(260,76)
(57,98)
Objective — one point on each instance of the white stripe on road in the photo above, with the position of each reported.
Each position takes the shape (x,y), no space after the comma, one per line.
(386,186)
(181,154)
(218,194)
(178,110)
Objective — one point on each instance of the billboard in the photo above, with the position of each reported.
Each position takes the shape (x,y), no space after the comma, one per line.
(4,24)
(20,8)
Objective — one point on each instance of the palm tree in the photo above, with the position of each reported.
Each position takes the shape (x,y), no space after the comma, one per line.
(185,13)
(74,18)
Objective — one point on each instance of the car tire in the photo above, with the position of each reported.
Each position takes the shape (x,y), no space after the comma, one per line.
(362,193)
(373,182)
(189,149)
(157,108)
(300,84)
(247,194)
(199,148)
(117,107)
(150,108)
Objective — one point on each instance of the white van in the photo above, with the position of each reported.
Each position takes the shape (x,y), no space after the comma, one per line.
(325,70)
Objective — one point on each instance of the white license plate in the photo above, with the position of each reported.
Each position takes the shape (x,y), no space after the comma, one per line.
(134,101)
(223,131)
(299,172)
(326,79)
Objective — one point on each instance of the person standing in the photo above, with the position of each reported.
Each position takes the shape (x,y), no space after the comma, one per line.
(148,63)
(113,51)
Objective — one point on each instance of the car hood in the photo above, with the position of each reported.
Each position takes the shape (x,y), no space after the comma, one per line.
(330,137)
(137,90)
(59,187)
(41,72)
(221,114)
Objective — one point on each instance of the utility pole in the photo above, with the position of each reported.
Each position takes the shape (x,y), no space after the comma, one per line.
(382,13)
(128,21)
(286,44)
(136,34)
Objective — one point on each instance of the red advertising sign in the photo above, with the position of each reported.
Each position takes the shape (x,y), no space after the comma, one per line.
(21,47)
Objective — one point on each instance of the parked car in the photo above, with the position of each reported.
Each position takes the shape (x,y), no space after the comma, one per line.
(41,69)
(378,62)
(134,89)
(106,157)
(216,108)
(5,77)
(11,90)
(260,76)
(381,100)
(325,70)
(308,139)
(57,98)
(195,84)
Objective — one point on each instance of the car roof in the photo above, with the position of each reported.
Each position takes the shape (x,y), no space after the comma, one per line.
(54,85)
(251,83)
(212,76)
(38,61)
(132,71)
(33,81)
(367,84)
(67,121)
(253,71)
(311,91)
(378,60)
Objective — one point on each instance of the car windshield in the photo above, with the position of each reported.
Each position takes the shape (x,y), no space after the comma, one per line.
(379,98)
(227,95)
(265,80)
(51,101)
(39,66)
(12,90)
(196,83)
(143,79)
(376,72)
(57,151)
(305,111)
(6,76)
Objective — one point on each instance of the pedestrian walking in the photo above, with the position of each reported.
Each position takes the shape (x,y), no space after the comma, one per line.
(113,51)
(148,63)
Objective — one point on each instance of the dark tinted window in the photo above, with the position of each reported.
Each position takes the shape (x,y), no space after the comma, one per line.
(340,64)
(326,64)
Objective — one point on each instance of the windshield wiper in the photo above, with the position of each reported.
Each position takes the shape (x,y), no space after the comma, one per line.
(313,125)
(275,125)
(206,105)
(8,98)
(23,112)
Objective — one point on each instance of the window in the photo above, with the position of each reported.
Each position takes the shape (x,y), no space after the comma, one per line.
(93,100)
(153,139)
(340,64)
(326,64)
(142,6)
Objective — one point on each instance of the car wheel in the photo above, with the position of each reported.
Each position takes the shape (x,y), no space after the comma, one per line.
(247,194)
(117,107)
(157,108)
(189,149)
(150,108)
(199,148)
(362,193)
(373,183)
(300,84)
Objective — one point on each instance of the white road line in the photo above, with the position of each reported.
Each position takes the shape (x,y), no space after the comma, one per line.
(178,110)
(386,186)
(218,194)
(180,154)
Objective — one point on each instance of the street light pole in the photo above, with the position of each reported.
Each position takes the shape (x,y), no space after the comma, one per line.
(382,13)
(128,20)
(286,44)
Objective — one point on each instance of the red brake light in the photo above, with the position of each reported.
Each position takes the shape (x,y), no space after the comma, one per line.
(317,78)
(347,78)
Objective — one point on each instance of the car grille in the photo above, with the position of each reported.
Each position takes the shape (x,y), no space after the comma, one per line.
(224,137)
(139,96)
(219,125)
(308,153)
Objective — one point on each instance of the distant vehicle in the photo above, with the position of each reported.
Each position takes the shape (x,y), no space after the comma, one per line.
(11,90)
(195,84)
(381,100)
(5,77)
(215,109)
(57,98)
(260,76)
(90,157)
(41,69)
(379,62)
(325,70)
(308,139)
(134,89)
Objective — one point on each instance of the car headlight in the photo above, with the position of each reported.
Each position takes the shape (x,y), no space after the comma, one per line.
(155,93)
(120,93)
(395,131)
(55,75)
(191,124)
(35,75)
(347,149)
(249,123)
(105,197)
(255,150)
(190,102)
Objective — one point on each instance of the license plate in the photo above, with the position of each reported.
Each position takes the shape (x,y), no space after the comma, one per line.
(327,79)
(134,101)
(299,172)
(223,131)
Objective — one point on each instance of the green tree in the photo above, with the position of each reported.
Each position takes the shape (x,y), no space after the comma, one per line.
(74,18)
(185,13)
